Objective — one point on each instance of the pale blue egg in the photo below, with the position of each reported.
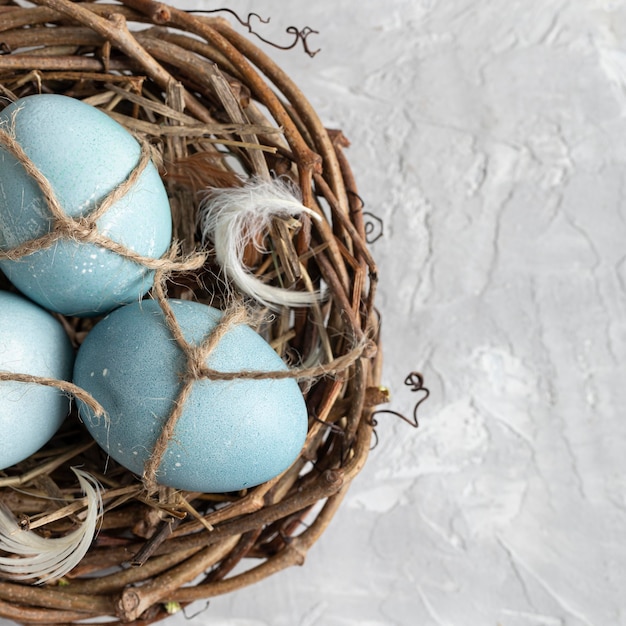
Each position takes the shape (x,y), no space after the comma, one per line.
(32,342)
(231,435)
(84,154)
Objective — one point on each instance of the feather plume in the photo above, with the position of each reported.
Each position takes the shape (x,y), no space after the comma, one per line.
(40,559)
(232,219)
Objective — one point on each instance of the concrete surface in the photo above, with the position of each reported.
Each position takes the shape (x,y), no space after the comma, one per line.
(488,135)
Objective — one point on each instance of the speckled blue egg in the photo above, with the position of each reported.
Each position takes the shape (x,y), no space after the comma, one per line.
(84,154)
(32,342)
(231,435)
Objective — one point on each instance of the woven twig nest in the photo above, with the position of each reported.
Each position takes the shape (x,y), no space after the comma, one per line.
(214,111)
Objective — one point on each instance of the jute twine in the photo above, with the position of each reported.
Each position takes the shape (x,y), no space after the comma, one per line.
(63,385)
(84,228)
(196,368)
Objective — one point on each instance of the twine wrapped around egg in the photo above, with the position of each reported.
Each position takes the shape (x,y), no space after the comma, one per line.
(215,112)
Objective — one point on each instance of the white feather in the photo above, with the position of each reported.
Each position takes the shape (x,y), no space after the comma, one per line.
(35,557)
(232,218)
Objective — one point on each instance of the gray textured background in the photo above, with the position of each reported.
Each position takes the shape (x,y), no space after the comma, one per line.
(489,137)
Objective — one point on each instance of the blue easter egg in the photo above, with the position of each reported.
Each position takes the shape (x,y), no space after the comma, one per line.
(84,154)
(231,434)
(32,342)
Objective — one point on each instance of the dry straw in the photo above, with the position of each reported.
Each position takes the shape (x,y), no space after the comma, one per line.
(216,110)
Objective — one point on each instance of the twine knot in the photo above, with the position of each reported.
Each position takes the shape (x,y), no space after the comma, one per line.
(81,228)
(196,357)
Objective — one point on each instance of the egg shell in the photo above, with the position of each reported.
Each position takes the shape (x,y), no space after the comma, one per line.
(32,342)
(231,435)
(84,154)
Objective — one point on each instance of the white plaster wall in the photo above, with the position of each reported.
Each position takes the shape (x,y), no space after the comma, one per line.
(489,137)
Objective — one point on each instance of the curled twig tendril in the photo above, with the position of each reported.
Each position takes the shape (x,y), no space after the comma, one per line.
(337,430)
(373,227)
(298,34)
(415,381)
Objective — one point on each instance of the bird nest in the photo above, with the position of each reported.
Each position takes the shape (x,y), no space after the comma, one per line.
(213,111)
